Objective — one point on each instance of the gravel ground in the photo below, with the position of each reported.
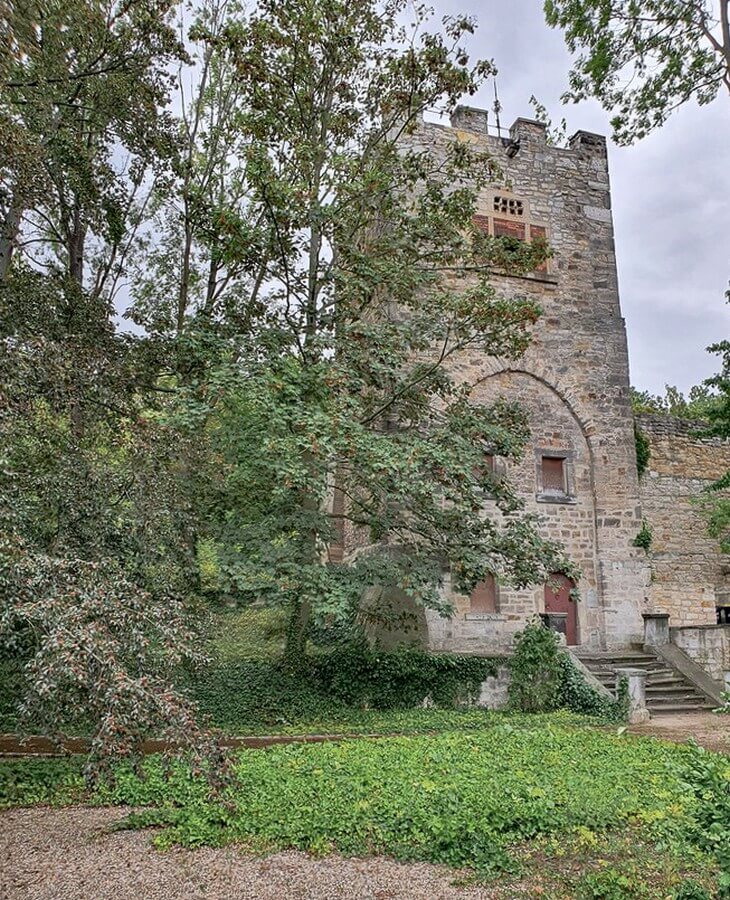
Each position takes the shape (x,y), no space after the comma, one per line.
(67,854)
(708,729)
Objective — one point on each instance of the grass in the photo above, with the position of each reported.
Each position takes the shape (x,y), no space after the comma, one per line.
(547,805)
(535,801)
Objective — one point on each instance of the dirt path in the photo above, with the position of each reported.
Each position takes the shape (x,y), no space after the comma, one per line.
(67,854)
(708,729)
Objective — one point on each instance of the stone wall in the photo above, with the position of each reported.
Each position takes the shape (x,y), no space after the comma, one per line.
(494,692)
(707,645)
(689,574)
(573,380)
(553,427)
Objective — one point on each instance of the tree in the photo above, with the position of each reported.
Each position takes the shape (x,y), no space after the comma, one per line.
(97,560)
(370,280)
(642,59)
(697,405)
(75,149)
(184,277)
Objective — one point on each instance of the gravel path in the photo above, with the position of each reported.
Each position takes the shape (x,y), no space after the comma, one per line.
(66,854)
(708,729)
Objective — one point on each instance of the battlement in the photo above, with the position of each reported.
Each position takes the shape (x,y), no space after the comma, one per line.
(523,132)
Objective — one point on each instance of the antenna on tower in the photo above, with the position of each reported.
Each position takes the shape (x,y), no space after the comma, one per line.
(497,107)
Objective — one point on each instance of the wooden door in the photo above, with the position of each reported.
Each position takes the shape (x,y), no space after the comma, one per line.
(560,605)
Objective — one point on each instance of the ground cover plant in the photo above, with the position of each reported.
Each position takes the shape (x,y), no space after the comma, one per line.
(350,688)
(608,814)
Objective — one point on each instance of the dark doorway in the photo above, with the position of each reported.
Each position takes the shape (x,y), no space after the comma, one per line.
(560,609)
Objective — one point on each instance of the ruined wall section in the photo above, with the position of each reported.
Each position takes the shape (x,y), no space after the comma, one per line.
(689,573)
(579,353)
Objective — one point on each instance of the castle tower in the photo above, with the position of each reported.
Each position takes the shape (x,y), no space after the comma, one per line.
(579,470)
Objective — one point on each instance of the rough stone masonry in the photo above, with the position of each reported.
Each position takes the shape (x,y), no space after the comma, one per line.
(579,471)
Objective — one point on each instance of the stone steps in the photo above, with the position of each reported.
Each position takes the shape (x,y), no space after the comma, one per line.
(667,691)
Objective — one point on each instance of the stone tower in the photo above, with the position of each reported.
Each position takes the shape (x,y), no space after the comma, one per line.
(579,470)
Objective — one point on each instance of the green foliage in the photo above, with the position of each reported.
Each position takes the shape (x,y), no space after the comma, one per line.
(577,695)
(458,798)
(535,669)
(11,682)
(697,406)
(691,890)
(644,537)
(26,782)
(641,60)
(330,384)
(253,632)
(643,450)
(208,567)
(708,776)
(640,815)
(544,678)
(608,884)
(254,695)
(359,676)
(716,502)
(96,652)
(196,456)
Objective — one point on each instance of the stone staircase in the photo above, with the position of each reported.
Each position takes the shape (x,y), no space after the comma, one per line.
(667,690)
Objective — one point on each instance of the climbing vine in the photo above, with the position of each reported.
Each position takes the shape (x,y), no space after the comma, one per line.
(643,450)
(644,537)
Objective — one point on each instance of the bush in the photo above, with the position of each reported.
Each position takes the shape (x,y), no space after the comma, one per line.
(544,678)
(536,670)
(401,679)
(607,885)
(252,693)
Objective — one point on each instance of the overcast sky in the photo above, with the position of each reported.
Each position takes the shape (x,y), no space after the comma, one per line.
(671,196)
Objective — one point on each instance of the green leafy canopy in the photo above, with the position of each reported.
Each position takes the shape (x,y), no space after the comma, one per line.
(641,59)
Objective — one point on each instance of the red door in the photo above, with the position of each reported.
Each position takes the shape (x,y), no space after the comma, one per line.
(561,607)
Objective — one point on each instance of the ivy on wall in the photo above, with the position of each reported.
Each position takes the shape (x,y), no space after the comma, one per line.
(643,450)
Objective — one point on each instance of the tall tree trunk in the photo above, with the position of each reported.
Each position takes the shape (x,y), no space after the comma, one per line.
(8,236)
(297,632)
(213,269)
(300,608)
(75,247)
(182,296)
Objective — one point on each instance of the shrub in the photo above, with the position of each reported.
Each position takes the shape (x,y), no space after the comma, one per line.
(400,679)
(242,694)
(544,678)
(608,884)
(535,669)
